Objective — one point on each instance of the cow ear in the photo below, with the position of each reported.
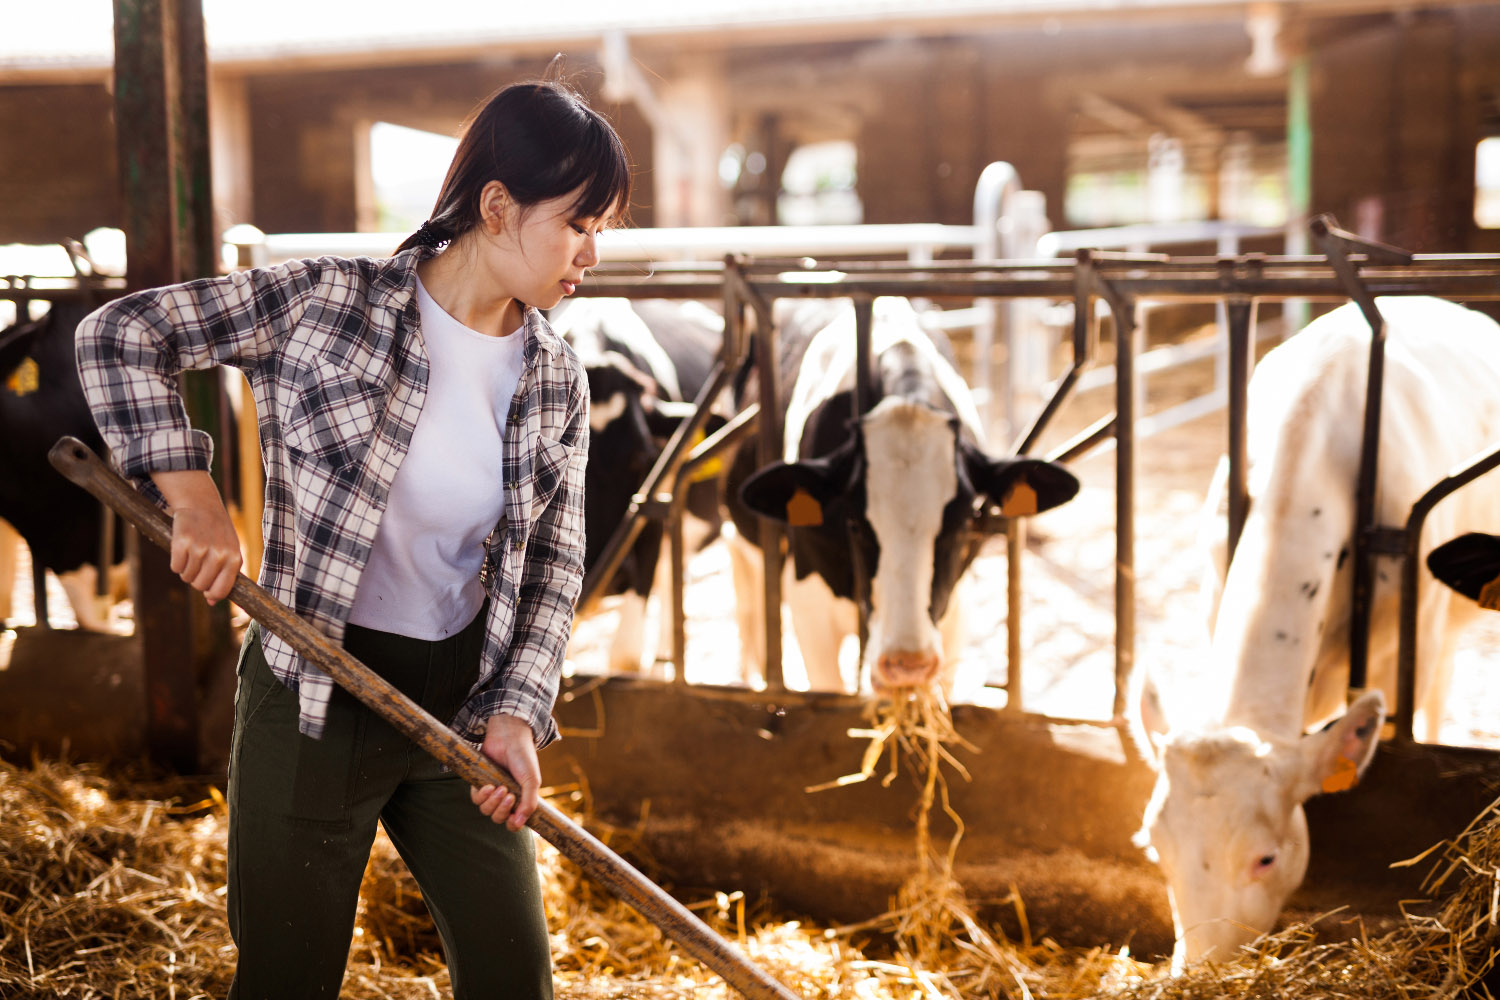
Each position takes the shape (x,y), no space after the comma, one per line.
(1334,760)
(1470,564)
(796,493)
(1146,719)
(1020,486)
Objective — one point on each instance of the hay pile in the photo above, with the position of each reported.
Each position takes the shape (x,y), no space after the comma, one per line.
(1447,948)
(108,890)
(937,937)
(115,888)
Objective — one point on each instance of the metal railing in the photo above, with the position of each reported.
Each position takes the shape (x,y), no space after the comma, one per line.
(1123,282)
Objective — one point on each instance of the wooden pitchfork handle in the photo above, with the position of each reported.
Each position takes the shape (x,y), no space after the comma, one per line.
(74,460)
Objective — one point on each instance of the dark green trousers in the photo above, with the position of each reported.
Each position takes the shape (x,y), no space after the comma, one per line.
(302,816)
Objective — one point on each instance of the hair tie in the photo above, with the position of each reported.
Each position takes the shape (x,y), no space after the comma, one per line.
(428,236)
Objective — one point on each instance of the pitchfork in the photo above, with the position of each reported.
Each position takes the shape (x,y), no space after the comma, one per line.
(74,460)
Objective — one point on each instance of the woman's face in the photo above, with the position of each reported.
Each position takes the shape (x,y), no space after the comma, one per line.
(540,253)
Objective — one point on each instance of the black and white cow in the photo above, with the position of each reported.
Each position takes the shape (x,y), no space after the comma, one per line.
(881,506)
(646,361)
(41,400)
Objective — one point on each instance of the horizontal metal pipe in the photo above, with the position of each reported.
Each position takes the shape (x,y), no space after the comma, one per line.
(1161,287)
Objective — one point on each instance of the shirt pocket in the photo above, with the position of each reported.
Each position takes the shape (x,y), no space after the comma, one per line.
(332,417)
(549,465)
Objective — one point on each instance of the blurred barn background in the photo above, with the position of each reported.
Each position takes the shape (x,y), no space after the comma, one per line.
(1385,113)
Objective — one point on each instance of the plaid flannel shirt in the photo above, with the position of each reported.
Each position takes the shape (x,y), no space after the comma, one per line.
(333,352)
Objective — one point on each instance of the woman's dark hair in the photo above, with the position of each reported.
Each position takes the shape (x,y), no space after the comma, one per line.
(541,141)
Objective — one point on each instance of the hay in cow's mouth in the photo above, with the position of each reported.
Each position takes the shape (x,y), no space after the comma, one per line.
(115,887)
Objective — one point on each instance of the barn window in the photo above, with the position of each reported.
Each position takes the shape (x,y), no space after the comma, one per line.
(406,172)
(1487,183)
(818,186)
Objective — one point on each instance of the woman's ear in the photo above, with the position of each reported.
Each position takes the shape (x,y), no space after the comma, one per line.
(494,207)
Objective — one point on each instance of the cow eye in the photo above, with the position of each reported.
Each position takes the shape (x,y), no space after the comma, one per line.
(1264,862)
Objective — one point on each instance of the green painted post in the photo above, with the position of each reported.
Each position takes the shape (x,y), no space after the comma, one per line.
(1299,171)
(161,124)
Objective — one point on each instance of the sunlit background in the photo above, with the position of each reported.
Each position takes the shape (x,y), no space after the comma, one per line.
(333,118)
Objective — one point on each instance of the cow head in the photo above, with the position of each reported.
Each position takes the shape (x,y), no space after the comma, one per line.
(886,519)
(1225,821)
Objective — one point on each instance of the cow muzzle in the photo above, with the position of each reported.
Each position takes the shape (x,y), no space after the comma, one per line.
(904,669)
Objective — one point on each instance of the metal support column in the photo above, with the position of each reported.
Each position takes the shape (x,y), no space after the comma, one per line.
(1368,543)
(771,431)
(864,399)
(1127,398)
(1241,315)
(1015,546)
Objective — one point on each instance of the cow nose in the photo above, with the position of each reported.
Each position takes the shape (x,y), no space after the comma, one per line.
(905,668)
(1218,940)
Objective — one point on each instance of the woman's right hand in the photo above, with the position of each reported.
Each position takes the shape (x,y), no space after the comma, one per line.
(205,546)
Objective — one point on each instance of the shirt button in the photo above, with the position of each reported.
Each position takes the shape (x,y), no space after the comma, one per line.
(517,545)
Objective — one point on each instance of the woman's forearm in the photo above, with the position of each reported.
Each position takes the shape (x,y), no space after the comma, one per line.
(205,546)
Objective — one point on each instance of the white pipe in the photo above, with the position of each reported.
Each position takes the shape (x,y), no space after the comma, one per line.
(1156,234)
(708,244)
(997,182)
(695,243)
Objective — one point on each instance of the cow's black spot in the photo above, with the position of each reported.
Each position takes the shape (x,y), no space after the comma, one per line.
(1317,511)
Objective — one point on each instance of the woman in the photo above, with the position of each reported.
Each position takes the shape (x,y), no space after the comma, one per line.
(424,434)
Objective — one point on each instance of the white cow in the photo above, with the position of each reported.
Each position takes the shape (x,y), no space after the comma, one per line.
(1225,821)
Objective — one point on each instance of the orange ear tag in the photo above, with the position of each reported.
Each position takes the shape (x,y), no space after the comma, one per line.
(1344,776)
(1020,501)
(1489,595)
(26,379)
(803,511)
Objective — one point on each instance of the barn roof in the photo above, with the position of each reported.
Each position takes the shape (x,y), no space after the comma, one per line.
(74,37)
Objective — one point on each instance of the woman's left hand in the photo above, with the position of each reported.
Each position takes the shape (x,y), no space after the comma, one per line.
(508,742)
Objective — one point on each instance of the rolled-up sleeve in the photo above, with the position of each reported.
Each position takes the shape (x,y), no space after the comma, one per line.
(131,351)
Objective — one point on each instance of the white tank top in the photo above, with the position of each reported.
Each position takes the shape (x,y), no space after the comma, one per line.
(422,579)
